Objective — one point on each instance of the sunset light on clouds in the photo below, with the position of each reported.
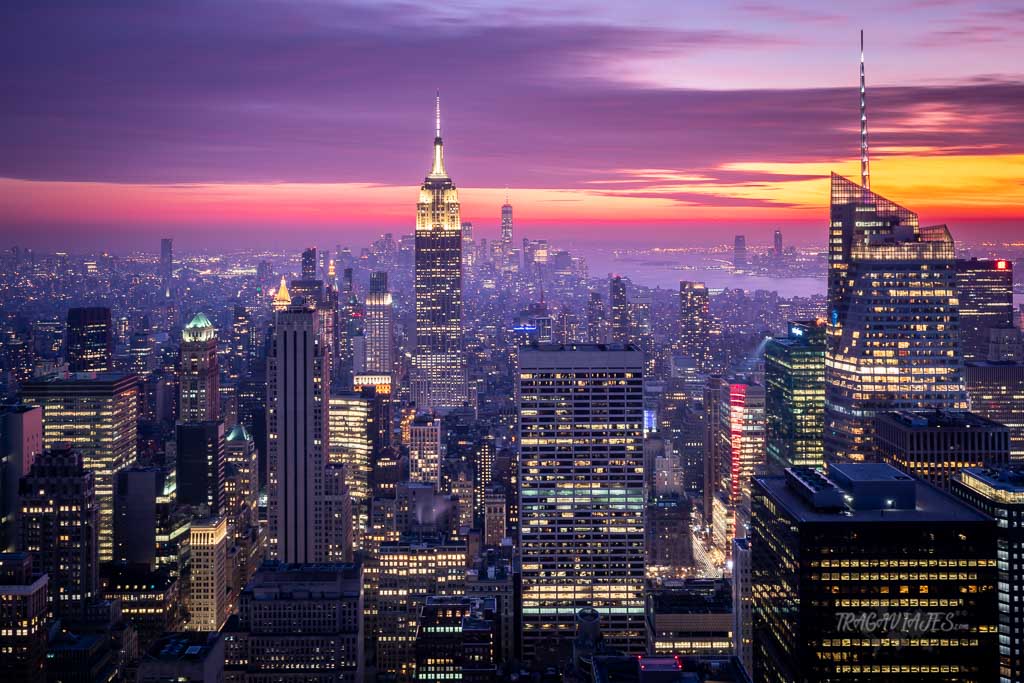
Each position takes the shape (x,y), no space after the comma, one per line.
(168,115)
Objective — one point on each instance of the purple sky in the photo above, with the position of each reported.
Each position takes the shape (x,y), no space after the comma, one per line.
(570,97)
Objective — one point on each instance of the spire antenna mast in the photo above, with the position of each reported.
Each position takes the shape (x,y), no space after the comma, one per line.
(865,169)
(437,114)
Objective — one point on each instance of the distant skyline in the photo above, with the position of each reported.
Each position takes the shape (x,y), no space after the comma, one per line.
(268,124)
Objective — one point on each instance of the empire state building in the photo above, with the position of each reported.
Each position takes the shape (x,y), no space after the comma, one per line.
(438,378)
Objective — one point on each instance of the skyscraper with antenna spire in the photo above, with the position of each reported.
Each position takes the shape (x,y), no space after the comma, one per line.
(438,377)
(893,323)
(506,231)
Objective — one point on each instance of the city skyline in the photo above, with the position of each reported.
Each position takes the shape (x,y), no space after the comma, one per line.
(631,405)
(667,122)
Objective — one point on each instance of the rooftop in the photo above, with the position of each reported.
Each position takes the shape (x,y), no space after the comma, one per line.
(960,419)
(238,433)
(692,596)
(668,669)
(189,646)
(872,492)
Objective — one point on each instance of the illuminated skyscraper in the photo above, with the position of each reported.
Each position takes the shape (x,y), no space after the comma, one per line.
(282,297)
(893,335)
(309,264)
(97,416)
(166,262)
(619,304)
(777,251)
(90,340)
(58,526)
(893,328)
(985,292)
(838,560)
(350,444)
(438,375)
(597,320)
(582,493)
(695,323)
(794,378)
(199,379)
(409,570)
(244,342)
(297,436)
(468,248)
(208,597)
(999,493)
(379,326)
(741,435)
(425,450)
(506,232)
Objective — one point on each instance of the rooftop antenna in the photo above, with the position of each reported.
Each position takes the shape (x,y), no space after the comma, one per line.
(865,171)
(437,98)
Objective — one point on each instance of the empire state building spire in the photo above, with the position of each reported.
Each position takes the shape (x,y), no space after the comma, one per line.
(438,377)
(437,170)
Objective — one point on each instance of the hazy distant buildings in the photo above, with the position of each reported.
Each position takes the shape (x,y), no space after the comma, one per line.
(297,431)
(695,324)
(309,264)
(739,252)
(597,320)
(582,544)
(90,344)
(619,327)
(438,375)
(893,318)
(794,379)
(166,262)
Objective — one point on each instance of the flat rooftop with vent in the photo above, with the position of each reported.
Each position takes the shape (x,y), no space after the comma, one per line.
(863,492)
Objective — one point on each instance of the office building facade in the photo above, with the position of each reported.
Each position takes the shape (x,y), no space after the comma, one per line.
(96,414)
(794,381)
(870,575)
(297,435)
(581,450)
